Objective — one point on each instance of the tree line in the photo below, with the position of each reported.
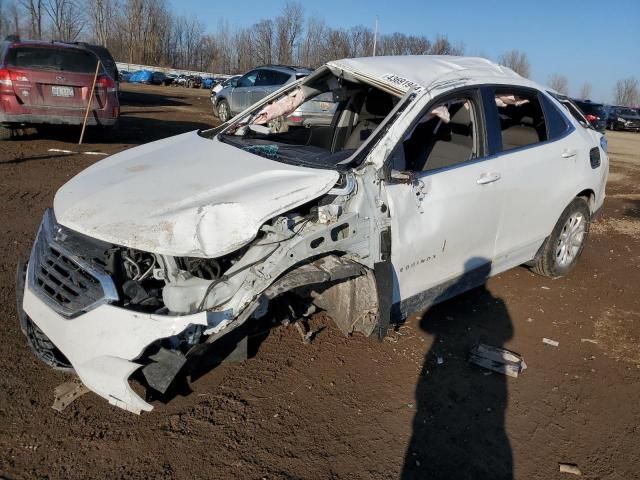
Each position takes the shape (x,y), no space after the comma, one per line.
(149,32)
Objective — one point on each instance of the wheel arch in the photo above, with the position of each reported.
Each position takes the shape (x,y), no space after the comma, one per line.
(590,196)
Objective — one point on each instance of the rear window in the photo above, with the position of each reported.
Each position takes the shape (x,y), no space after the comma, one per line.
(58,59)
(591,108)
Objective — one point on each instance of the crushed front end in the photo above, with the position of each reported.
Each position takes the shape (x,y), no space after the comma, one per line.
(106,311)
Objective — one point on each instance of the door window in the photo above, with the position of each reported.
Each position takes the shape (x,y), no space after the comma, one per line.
(248,80)
(522,122)
(446,135)
(271,78)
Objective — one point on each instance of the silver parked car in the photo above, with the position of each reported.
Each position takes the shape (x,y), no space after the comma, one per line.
(254,86)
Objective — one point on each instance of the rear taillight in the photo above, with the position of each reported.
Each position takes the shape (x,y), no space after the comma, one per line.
(591,118)
(107,83)
(7,77)
(5,80)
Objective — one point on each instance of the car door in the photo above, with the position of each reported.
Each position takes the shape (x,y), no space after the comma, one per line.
(539,150)
(240,97)
(267,82)
(445,217)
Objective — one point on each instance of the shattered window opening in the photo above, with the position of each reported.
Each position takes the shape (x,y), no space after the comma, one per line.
(522,122)
(319,124)
(445,136)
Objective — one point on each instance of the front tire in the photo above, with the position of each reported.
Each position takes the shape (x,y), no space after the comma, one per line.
(223,111)
(563,247)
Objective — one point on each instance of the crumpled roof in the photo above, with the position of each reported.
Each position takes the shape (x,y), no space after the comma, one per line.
(405,72)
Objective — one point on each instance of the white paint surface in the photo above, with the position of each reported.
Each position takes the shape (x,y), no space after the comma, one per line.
(184,196)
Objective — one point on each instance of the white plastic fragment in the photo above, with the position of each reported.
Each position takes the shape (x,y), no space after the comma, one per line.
(589,340)
(548,341)
(497,359)
(66,393)
(571,468)
(59,150)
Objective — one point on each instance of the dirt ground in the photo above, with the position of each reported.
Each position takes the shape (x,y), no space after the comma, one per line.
(340,408)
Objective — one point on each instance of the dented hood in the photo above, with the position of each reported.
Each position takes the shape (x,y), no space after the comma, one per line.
(184,196)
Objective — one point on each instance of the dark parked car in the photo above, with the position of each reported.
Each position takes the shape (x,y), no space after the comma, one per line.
(254,86)
(158,78)
(47,83)
(594,112)
(194,81)
(623,118)
(105,57)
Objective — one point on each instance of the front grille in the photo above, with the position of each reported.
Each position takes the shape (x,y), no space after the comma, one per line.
(61,278)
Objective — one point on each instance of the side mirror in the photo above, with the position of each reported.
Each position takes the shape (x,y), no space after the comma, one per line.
(234,83)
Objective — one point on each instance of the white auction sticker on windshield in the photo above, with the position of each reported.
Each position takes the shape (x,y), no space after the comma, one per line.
(401,82)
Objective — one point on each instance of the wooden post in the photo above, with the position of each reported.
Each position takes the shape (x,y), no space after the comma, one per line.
(86,113)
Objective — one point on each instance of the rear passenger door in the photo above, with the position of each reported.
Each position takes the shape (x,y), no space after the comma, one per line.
(539,152)
(445,215)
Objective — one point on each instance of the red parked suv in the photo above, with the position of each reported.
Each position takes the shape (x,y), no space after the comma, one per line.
(50,83)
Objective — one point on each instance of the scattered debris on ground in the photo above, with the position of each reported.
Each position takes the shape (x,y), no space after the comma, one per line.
(66,393)
(497,359)
(571,468)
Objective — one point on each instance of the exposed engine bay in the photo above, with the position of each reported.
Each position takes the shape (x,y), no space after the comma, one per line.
(320,252)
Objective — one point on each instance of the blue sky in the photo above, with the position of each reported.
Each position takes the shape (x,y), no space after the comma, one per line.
(583,39)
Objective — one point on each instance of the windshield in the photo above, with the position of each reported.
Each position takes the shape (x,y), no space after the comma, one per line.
(60,59)
(318,123)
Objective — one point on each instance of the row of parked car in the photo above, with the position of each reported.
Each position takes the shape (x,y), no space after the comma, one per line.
(150,77)
(610,117)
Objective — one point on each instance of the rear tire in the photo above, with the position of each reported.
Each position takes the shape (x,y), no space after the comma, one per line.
(563,247)
(5,133)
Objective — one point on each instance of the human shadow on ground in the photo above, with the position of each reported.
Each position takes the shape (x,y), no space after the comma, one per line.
(459,426)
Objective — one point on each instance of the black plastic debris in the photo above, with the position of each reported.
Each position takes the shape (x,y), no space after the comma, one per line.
(166,365)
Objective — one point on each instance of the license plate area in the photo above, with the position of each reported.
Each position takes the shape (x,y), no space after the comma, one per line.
(57,91)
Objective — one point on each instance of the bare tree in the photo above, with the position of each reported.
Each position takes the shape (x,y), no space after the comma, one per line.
(288,30)
(627,92)
(517,61)
(263,35)
(101,15)
(585,90)
(559,83)
(34,9)
(13,18)
(67,19)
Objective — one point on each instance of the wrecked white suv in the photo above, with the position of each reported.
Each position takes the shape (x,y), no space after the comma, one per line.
(433,173)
